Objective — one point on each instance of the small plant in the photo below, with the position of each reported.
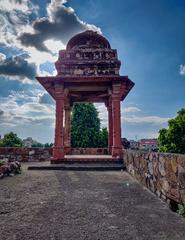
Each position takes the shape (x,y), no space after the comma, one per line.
(181,209)
(2,162)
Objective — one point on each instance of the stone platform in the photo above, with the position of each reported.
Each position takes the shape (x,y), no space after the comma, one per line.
(81,163)
(87,159)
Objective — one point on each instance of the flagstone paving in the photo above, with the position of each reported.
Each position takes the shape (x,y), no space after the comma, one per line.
(66,205)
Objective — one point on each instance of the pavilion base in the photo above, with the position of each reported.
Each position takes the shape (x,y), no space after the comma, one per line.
(87,159)
(58,153)
(78,167)
(117,152)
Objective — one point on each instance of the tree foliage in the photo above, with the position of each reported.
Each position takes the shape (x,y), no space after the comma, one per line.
(125,143)
(85,127)
(173,138)
(48,145)
(41,145)
(103,139)
(11,140)
(37,145)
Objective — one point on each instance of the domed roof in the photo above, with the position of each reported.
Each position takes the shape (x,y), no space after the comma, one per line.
(88,38)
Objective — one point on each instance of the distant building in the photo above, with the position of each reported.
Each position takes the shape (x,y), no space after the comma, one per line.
(28,142)
(148,144)
(134,144)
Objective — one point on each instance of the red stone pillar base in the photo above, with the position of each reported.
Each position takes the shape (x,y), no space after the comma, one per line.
(67,150)
(117,152)
(58,155)
(117,146)
(110,150)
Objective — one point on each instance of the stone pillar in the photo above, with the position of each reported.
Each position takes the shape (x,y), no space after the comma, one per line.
(58,149)
(110,122)
(117,147)
(67,133)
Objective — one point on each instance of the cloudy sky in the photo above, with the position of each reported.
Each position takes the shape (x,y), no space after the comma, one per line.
(149,37)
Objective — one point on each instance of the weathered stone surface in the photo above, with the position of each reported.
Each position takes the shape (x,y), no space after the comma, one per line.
(170,173)
(165,186)
(173,162)
(163,174)
(174,194)
(43,154)
(150,168)
(26,154)
(161,165)
(55,205)
(181,176)
(182,195)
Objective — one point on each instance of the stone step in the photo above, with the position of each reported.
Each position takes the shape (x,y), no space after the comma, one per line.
(80,167)
(87,159)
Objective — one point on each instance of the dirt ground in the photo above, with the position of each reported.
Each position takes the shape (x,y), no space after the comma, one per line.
(66,205)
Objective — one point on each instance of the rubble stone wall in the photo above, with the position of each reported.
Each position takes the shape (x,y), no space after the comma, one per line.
(162,173)
(25,154)
(43,154)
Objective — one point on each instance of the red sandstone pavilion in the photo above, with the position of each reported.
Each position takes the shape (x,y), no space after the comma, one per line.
(87,71)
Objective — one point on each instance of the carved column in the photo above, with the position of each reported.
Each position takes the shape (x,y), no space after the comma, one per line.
(58,149)
(117,147)
(67,134)
(110,122)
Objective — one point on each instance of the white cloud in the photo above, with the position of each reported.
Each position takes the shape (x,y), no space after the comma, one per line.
(14,21)
(54,5)
(131,109)
(2,57)
(39,58)
(54,45)
(18,68)
(130,117)
(182,69)
(10,5)
(103,114)
(144,119)
(14,18)
(59,24)
(23,109)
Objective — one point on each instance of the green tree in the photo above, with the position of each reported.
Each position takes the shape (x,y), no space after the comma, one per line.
(38,145)
(48,145)
(11,140)
(173,138)
(125,143)
(103,139)
(85,126)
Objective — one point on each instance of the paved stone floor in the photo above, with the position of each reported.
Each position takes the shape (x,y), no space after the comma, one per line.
(83,205)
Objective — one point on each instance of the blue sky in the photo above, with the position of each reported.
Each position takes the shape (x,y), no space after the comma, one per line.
(149,37)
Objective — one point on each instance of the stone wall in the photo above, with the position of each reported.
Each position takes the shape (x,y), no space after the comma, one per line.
(25,154)
(43,154)
(162,173)
(89,151)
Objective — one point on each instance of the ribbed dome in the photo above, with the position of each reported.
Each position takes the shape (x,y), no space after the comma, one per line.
(89,39)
